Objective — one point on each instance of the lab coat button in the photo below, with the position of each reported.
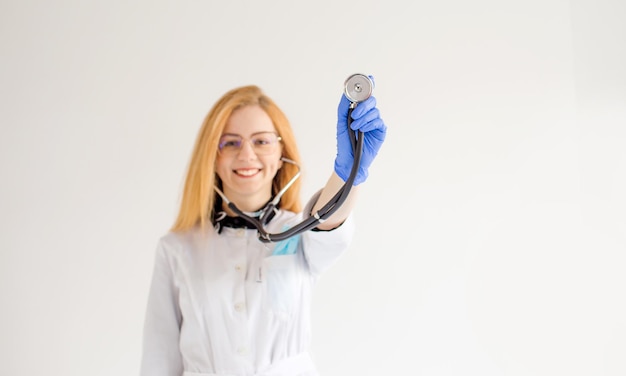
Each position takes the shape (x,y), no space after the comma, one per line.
(239,307)
(241,233)
(242,351)
(238,267)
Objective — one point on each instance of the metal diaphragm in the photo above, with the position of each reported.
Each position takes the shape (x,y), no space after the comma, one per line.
(358,87)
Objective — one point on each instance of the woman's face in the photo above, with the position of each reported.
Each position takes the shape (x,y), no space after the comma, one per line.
(247,171)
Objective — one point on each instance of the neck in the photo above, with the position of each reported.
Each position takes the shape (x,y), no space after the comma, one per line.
(246,207)
(248,204)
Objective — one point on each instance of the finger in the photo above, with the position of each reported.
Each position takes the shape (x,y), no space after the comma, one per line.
(368,117)
(372,78)
(342,108)
(375,125)
(363,107)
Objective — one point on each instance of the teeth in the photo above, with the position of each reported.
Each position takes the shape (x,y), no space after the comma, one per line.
(247,172)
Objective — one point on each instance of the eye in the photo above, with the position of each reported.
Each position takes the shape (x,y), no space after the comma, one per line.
(261,141)
(230,143)
(264,139)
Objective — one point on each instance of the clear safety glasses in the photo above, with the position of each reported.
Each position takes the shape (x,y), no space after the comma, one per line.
(262,143)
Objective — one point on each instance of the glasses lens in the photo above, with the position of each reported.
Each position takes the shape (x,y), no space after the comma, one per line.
(264,143)
(230,144)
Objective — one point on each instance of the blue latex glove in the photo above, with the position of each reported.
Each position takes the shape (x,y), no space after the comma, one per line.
(368,124)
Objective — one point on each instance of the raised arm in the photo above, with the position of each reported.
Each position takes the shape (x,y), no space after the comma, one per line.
(367,123)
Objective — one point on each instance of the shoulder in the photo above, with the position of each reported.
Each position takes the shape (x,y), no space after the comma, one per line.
(179,241)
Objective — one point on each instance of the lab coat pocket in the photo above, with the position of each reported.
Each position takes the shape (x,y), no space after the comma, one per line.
(281,284)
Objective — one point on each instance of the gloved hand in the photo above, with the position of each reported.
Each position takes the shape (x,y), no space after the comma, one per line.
(368,124)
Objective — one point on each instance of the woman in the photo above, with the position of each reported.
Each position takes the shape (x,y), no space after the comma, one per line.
(222,302)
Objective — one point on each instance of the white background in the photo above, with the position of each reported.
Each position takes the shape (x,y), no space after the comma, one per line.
(492,232)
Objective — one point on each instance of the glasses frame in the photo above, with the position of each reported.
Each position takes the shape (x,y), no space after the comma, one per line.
(255,148)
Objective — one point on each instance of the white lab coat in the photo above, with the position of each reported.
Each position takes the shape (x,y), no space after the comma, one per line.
(222,304)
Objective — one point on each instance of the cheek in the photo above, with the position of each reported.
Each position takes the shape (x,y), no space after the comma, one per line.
(220,168)
(275,164)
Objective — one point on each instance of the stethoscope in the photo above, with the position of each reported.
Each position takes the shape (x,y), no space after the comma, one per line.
(357,88)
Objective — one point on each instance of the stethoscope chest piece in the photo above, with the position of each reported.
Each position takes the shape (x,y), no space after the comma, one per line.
(358,87)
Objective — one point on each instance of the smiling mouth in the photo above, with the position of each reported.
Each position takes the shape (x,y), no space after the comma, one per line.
(247,172)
